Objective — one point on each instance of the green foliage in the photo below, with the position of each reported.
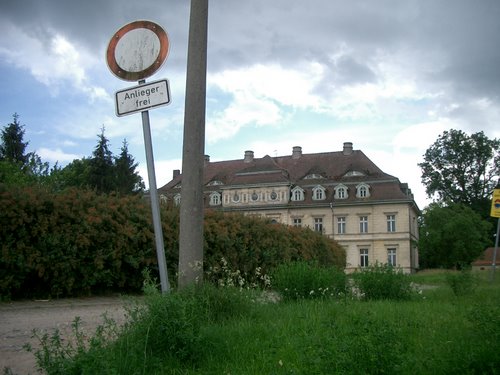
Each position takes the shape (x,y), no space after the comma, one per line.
(485,321)
(383,282)
(101,167)
(248,243)
(362,345)
(73,175)
(71,243)
(305,280)
(18,167)
(58,356)
(462,169)
(13,147)
(220,331)
(127,179)
(222,275)
(462,283)
(451,236)
(77,241)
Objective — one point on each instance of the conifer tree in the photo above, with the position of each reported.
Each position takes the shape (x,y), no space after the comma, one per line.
(101,168)
(13,148)
(128,181)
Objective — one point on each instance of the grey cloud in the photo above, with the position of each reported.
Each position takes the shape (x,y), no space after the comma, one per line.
(455,44)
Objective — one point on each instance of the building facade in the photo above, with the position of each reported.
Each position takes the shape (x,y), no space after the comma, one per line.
(341,194)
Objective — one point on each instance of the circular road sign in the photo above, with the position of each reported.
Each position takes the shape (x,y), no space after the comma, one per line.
(137,50)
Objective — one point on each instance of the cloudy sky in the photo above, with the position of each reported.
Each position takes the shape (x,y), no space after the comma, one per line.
(387,75)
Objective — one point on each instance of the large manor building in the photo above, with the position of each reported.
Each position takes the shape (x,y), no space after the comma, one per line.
(341,194)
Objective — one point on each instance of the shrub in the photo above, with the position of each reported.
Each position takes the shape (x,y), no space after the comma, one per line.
(77,242)
(383,282)
(249,243)
(304,280)
(462,282)
(71,243)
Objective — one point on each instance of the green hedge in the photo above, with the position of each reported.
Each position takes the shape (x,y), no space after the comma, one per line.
(71,243)
(77,242)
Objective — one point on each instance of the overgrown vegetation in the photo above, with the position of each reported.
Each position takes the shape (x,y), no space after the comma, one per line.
(383,282)
(308,280)
(220,330)
(79,242)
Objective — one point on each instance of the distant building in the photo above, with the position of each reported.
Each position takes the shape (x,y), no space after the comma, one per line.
(341,194)
(485,261)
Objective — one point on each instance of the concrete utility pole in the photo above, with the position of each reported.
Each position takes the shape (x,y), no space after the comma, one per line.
(191,215)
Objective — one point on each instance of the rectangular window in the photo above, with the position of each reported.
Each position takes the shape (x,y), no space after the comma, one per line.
(391,257)
(341,225)
(318,224)
(297,222)
(391,223)
(363,224)
(363,257)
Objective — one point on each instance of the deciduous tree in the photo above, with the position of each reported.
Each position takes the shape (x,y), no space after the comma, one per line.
(462,169)
(451,236)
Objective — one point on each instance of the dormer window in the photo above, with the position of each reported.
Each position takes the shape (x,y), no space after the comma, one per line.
(177,199)
(215,199)
(354,174)
(313,176)
(215,183)
(362,191)
(341,192)
(297,194)
(319,193)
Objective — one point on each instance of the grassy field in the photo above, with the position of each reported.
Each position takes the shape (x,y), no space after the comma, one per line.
(227,331)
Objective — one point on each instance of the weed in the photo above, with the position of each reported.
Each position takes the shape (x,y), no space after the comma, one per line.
(223,275)
(382,281)
(462,283)
(303,280)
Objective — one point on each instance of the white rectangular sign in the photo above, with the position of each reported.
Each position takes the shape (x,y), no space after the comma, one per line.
(143,97)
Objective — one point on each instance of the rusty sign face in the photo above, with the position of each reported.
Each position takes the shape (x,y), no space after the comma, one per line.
(137,50)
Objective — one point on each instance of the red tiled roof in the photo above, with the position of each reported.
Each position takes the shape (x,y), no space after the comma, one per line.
(486,258)
(332,167)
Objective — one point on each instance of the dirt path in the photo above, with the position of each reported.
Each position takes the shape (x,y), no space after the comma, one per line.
(18,319)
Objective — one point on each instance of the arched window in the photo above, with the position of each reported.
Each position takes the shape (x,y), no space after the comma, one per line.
(319,193)
(341,192)
(215,199)
(362,191)
(297,194)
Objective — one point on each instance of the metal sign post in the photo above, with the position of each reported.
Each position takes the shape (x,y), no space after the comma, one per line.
(135,52)
(155,203)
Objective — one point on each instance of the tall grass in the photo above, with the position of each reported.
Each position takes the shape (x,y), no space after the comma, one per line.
(212,330)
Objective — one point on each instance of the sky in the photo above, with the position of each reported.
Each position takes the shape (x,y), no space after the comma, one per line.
(389,76)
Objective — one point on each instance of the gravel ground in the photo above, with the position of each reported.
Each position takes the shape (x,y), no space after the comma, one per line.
(18,319)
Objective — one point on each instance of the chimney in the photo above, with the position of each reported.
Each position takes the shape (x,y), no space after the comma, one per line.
(347,148)
(206,160)
(248,156)
(177,172)
(296,152)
